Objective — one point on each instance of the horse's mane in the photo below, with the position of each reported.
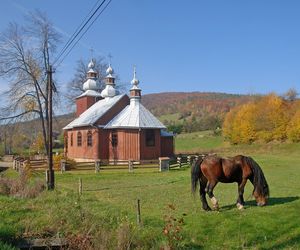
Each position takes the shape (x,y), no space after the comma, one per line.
(259,181)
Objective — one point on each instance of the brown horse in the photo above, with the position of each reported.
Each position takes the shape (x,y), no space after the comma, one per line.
(210,170)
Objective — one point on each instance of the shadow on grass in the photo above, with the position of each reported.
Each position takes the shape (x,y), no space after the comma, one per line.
(289,243)
(7,239)
(273,201)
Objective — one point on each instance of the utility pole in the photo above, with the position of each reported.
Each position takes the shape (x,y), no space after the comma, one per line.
(50,180)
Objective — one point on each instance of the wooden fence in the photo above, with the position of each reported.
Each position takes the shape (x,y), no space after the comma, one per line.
(21,162)
(177,162)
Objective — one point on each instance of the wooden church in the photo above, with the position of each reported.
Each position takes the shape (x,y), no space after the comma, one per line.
(114,127)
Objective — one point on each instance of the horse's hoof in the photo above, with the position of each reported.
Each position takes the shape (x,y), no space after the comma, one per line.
(240,206)
(216,208)
(207,209)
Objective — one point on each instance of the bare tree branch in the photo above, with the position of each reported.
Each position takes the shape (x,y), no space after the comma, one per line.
(25,52)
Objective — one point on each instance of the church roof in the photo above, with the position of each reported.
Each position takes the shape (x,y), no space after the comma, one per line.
(135,115)
(90,93)
(94,113)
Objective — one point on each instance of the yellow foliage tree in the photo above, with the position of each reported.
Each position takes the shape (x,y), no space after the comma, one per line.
(293,130)
(266,119)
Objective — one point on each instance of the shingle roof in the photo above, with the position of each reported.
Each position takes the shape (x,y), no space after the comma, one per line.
(94,113)
(135,115)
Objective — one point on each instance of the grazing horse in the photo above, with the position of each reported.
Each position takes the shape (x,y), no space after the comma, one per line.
(210,170)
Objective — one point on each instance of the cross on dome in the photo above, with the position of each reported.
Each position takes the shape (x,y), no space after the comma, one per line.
(135,91)
(135,82)
(91,64)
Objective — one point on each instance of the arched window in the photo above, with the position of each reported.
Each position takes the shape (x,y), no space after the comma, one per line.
(89,139)
(79,139)
(114,139)
(71,140)
(66,141)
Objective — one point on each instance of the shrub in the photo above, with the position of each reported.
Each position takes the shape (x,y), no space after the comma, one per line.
(21,187)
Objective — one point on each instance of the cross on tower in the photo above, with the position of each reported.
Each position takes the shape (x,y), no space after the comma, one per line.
(92,52)
(109,57)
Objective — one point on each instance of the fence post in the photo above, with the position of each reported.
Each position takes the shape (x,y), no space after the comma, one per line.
(179,161)
(97,166)
(19,165)
(164,164)
(63,166)
(138,212)
(130,166)
(47,177)
(80,186)
(189,159)
(25,163)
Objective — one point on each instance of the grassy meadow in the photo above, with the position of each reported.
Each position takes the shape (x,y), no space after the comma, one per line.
(107,208)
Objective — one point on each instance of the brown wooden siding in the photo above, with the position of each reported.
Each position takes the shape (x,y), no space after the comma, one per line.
(83,103)
(152,152)
(128,145)
(83,151)
(167,146)
(104,144)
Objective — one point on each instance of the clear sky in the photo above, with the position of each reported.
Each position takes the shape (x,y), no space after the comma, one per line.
(228,46)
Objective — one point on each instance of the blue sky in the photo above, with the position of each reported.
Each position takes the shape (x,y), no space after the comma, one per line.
(228,46)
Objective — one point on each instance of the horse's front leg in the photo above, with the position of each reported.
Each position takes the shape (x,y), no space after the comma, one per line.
(209,189)
(240,201)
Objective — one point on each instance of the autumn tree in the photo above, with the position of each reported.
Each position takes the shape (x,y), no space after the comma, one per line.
(291,94)
(25,52)
(293,129)
(266,119)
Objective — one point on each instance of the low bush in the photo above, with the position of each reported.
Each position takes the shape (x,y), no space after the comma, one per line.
(21,187)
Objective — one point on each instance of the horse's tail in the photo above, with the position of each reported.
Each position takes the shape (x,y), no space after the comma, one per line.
(259,180)
(196,173)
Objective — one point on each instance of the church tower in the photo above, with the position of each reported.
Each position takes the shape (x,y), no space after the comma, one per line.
(91,88)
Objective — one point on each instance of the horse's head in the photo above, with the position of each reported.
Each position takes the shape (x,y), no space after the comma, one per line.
(261,196)
(261,187)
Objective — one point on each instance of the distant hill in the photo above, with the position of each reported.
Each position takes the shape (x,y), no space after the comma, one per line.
(194,110)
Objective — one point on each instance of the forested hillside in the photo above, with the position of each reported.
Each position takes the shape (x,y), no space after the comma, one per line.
(194,111)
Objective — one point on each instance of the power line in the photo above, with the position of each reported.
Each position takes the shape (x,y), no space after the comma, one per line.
(84,33)
(79,30)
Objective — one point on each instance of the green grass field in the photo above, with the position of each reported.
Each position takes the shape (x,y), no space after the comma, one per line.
(109,202)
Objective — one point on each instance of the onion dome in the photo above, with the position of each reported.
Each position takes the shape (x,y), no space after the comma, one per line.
(91,64)
(109,70)
(109,90)
(91,83)
(135,91)
(135,82)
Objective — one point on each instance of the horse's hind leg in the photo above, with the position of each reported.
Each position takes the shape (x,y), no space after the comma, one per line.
(209,189)
(240,201)
(203,195)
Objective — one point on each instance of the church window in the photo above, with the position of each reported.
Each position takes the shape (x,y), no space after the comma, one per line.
(79,139)
(71,140)
(150,138)
(114,139)
(89,139)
